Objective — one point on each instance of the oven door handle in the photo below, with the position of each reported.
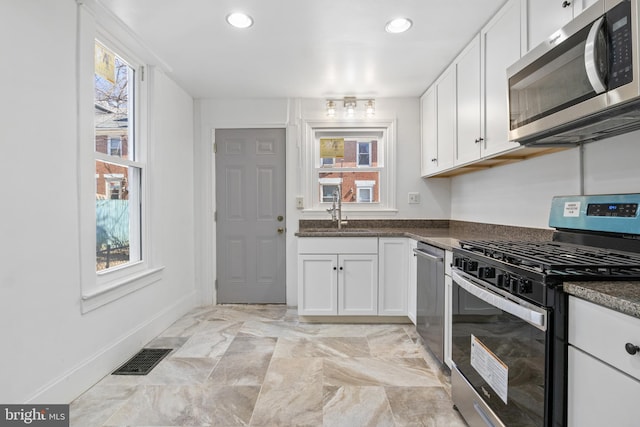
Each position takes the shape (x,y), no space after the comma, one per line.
(537,318)
(427,255)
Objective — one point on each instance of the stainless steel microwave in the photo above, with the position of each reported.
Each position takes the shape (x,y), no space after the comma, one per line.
(582,83)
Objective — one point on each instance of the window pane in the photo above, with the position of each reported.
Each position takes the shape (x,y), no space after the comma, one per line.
(350,182)
(357,153)
(117,218)
(113,103)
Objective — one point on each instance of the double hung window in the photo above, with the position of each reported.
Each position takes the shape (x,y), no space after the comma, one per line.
(353,160)
(118,170)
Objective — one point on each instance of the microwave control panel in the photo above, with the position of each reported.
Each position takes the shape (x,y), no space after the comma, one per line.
(618,22)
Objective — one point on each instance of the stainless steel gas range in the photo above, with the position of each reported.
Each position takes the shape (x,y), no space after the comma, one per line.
(509,337)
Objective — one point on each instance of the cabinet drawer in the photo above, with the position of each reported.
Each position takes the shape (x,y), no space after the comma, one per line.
(338,245)
(604,333)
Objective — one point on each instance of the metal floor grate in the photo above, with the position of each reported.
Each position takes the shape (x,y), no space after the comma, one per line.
(143,362)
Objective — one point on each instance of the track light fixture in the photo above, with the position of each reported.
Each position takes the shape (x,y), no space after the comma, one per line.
(350,104)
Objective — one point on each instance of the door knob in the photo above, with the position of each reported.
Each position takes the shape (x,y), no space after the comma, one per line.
(280,230)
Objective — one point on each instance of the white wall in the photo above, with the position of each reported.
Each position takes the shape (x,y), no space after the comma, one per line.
(52,352)
(286,113)
(520,194)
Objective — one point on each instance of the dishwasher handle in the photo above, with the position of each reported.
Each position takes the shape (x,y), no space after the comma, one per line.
(524,311)
(427,255)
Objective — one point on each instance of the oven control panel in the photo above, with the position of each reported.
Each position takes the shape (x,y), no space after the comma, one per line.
(514,280)
(611,213)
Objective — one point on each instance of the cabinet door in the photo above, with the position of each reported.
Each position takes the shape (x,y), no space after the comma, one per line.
(599,395)
(446,107)
(544,17)
(358,284)
(429,129)
(501,40)
(317,284)
(393,278)
(468,94)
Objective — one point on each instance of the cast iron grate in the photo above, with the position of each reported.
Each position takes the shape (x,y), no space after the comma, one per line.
(143,362)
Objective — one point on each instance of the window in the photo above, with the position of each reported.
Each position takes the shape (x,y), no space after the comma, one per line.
(115,146)
(355,158)
(365,191)
(364,153)
(343,161)
(118,170)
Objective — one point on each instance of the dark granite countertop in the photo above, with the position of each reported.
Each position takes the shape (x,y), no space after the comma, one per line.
(444,234)
(620,296)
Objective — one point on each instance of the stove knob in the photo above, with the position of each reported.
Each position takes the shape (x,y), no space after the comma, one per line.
(524,286)
(489,273)
(503,280)
(513,284)
(471,266)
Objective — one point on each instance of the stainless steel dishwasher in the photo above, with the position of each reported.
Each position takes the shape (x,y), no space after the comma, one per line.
(430,301)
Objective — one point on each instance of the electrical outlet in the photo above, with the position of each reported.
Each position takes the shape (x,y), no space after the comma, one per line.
(414,198)
(300,202)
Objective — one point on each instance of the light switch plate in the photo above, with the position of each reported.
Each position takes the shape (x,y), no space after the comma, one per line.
(300,202)
(414,198)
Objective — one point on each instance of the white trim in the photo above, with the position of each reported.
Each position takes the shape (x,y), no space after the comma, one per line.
(98,289)
(119,288)
(386,207)
(65,387)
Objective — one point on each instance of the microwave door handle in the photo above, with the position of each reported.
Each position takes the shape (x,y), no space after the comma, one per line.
(533,317)
(590,57)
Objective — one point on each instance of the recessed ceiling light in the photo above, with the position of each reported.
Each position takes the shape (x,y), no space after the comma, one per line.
(239,20)
(398,25)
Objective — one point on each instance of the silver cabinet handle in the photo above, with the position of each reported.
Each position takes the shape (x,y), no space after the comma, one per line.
(536,317)
(590,59)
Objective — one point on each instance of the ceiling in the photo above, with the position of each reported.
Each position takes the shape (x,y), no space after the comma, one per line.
(304,48)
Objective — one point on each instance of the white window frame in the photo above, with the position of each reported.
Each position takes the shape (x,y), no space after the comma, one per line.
(382,129)
(101,288)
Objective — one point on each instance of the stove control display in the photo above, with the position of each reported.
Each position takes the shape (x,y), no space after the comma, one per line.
(625,210)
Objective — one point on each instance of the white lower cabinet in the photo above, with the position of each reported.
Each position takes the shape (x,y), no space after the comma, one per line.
(337,276)
(395,267)
(603,378)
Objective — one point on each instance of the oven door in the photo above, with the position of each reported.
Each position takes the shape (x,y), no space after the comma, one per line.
(499,344)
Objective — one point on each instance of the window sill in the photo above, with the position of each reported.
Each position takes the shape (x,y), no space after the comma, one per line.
(119,288)
(355,214)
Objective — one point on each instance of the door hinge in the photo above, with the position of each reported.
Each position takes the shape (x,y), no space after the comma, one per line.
(142,73)
(215,148)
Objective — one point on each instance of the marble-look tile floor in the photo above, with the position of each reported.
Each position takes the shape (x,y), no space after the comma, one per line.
(258,365)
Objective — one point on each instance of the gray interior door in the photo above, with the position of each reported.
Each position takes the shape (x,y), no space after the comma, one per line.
(250,206)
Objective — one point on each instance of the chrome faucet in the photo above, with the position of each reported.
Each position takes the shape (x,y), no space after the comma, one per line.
(336,209)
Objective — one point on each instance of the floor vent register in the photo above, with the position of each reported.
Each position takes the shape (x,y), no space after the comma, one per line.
(143,362)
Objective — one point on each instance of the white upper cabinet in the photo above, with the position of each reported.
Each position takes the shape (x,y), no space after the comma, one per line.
(446,104)
(438,122)
(544,17)
(502,43)
(469,103)
(429,131)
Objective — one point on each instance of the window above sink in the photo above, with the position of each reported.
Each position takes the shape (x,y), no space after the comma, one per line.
(358,158)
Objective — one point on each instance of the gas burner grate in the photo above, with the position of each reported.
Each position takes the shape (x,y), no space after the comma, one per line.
(557,258)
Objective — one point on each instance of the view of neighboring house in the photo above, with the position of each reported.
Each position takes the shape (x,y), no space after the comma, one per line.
(356,172)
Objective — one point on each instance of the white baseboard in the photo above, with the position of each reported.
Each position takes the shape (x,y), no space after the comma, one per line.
(71,384)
